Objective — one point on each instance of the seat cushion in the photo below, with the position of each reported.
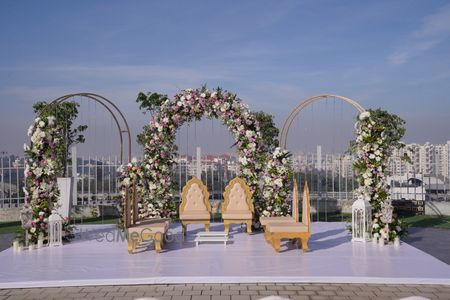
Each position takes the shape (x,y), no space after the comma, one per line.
(150,227)
(265,220)
(237,215)
(286,227)
(195,215)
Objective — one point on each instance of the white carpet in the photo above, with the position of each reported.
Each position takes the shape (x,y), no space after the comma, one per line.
(332,258)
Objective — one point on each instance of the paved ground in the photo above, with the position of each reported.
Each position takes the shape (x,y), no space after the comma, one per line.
(234,292)
(433,241)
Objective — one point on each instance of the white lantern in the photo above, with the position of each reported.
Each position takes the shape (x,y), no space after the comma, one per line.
(55,230)
(361,220)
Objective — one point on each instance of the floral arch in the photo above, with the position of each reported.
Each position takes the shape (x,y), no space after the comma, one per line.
(153,174)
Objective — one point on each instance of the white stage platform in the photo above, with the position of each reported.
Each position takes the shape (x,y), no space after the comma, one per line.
(332,258)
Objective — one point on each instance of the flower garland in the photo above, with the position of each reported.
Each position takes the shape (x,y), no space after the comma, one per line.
(41,169)
(372,155)
(276,183)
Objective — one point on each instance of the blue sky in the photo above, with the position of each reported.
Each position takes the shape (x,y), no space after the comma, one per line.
(273,54)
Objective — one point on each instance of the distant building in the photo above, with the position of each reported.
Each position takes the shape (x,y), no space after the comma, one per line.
(427,159)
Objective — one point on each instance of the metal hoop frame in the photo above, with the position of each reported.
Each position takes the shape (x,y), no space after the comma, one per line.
(288,122)
(117,115)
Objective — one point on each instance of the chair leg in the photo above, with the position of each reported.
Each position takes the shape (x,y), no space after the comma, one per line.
(276,243)
(130,246)
(207,227)
(226,226)
(157,246)
(304,242)
(249,226)
(184,229)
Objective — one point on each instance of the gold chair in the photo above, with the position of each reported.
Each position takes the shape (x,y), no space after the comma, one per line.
(300,231)
(195,207)
(238,205)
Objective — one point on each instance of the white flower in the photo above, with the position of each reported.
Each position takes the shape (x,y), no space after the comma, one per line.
(30,130)
(42,124)
(33,230)
(203,95)
(279,182)
(364,115)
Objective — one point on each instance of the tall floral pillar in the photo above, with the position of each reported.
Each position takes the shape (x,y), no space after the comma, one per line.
(373,150)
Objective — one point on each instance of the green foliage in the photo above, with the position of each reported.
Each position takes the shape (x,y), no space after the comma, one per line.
(392,124)
(150,102)
(268,130)
(393,127)
(65,114)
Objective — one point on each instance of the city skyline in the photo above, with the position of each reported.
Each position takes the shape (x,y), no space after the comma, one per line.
(273,55)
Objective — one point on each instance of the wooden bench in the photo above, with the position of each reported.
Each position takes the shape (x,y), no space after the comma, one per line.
(148,230)
(300,231)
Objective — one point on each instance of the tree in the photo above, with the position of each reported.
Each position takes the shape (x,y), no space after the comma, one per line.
(268,130)
(65,114)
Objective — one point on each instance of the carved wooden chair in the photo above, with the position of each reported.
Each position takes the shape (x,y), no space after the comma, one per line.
(195,207)
(238,205)
(300,231)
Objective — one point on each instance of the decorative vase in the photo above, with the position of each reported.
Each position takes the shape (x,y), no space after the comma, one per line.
(374,240)
(381,241)
(30,247)
(397,242)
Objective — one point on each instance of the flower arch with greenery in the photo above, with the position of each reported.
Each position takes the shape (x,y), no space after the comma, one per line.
(378,134)
(153,174)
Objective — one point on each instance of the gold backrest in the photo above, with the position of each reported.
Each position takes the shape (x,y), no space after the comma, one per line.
(295,213)
(195,196)
(306,208)
(237,196)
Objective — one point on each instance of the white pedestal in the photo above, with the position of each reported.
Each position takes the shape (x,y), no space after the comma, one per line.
(65,185)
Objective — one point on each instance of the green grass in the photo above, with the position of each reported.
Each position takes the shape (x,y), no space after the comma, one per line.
(428,221)
(13,227)
(9,227)
(96,220)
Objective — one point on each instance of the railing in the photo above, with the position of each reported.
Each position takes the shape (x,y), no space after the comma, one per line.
(331,182)
(11,182)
